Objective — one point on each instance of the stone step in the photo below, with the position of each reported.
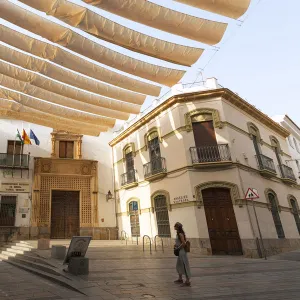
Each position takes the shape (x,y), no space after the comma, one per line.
(7,253)
(11,250)
(24,248)
(21,245)
(42,267)
(3,257)
(30,257)
(61,280)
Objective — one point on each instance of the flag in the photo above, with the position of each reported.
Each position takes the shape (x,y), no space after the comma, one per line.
(18,136)
(26,139)
(33,137)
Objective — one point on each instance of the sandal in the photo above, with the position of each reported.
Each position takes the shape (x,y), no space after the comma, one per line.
(178,281)
(185,284)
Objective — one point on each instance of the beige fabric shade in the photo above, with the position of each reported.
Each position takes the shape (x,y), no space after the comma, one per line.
(36,92)
(165,19)
(86,47)
(65,90)
(52,109)
(74,62)
(105,29)
(63,75)
(13,110)
(229,8)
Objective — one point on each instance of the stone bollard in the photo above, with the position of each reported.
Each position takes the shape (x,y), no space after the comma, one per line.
(58,252)
(43,244)
(79,266)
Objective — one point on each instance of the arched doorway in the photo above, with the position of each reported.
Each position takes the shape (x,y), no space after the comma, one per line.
(134,218)
(221,221)
(162,216)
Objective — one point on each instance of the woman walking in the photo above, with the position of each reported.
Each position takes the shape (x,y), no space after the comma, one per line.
(182,266)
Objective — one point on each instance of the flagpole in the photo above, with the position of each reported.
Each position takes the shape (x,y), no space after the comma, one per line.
(14,151)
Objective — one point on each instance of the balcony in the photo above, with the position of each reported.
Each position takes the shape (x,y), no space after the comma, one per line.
(210,156)
(287,174)
(17,161)
(155,169)
(266,165)
(13,162)
(129,179)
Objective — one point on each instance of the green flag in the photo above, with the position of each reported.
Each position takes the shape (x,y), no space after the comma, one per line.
(18,136)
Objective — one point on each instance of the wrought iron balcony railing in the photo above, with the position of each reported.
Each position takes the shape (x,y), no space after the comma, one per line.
(287,172)
(207,154)
(20,161)
(155,166)
(265,163)
(128,177)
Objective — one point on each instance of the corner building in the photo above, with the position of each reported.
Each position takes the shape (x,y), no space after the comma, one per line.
(191,159)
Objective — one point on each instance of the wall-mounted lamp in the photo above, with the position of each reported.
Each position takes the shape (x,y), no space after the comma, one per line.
(109,196)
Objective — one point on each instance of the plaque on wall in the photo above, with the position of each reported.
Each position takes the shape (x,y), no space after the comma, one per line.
(78,247)
(14,187)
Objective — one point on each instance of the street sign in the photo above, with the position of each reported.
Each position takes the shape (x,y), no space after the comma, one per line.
(251,194)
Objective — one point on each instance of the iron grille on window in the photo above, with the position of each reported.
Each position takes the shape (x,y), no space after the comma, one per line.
(134,218)
(7,210)
(162,216)
(276,217)
(296,214)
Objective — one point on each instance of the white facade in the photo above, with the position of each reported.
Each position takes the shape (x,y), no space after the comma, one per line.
(183,181)
(93,148)
(293,141)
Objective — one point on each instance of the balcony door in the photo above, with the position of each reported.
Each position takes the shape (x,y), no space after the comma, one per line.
(155,155)
(205,141)
(129,158)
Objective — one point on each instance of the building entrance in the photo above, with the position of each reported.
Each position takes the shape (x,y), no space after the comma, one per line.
(221,221)
(64,214)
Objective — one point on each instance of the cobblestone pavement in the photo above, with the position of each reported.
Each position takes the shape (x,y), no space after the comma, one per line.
(16,284)
(120,272)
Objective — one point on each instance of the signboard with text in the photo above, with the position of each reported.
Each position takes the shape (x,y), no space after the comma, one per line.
(181,199)
(78,247)
(15,187)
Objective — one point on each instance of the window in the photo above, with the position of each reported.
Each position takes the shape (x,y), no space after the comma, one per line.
(296,145)
(276,216)
(14,147)
(129,158)
(276,146)
(8,210)
(154,153)
(134,218)
(162,216)
(66,149)
(298,165)
(295,213)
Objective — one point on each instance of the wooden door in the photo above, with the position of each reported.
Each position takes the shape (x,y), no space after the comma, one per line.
(204,134)
(221,221)
(65,214)
(206,142)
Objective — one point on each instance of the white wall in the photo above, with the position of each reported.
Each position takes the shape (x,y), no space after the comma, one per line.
(93,148)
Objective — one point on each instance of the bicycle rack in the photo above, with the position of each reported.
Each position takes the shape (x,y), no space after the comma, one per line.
(125,236)
(162,243)
(146,236)
(108,231)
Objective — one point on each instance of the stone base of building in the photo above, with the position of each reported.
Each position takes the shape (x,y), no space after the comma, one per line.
(33,233)
(251,248)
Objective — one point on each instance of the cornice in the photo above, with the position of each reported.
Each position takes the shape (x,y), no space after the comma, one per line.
(182,98)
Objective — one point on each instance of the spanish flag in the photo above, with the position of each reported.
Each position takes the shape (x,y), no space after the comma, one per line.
(26,138)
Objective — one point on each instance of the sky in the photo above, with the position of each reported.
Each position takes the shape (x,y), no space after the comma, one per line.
(258,58)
